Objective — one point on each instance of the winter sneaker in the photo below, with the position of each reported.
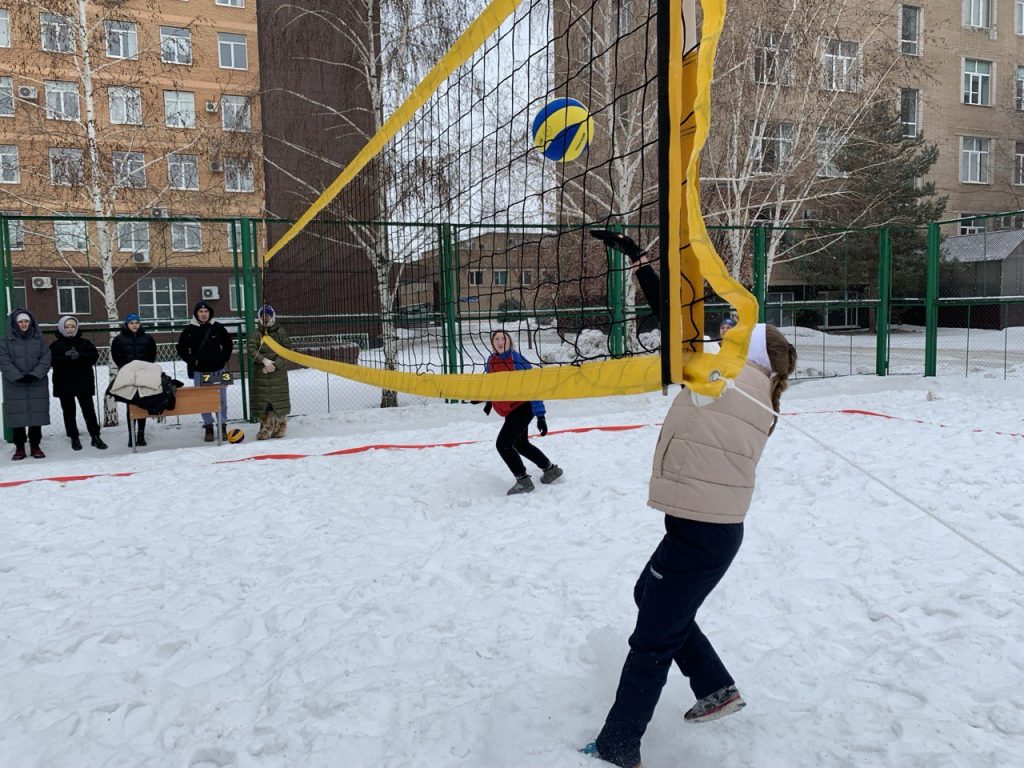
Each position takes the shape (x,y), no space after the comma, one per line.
(591,751)
(208,433)
(523,485)
(76,444)
(37,453)
(97,443)
(19,453)
(551,474)
(722,702)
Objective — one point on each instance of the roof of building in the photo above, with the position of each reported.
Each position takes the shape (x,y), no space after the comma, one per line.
(982,246)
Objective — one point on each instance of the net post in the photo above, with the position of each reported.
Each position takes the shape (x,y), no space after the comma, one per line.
(616,298)
(248,310)
(884,294)
(759,268)
(449,296)
(931,310)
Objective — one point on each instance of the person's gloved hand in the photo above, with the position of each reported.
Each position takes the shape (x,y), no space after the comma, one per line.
(542,425)
(28,378)
(487,407)
(268,365)
(619,242)
(73,354)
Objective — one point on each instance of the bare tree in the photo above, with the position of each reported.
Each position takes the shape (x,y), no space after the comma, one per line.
(95,114)
(793,81)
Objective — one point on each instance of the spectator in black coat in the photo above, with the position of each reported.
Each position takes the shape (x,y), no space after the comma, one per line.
(131,344)
(205,345)
(73,379)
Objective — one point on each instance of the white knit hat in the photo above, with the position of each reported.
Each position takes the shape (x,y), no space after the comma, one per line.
(22,316)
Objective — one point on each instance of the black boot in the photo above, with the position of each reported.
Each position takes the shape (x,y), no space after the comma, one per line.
(208,433)
(140,438)
(523,485)
(76,444)
(97,443)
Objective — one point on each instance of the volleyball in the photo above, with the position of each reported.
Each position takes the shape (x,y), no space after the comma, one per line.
(562,130)
(235,435)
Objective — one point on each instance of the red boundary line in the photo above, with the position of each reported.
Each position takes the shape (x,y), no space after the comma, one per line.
(423,446)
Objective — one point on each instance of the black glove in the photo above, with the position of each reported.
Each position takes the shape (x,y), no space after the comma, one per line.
(619,242)
(542,425)
(28,378)
(487,407)
(73,354)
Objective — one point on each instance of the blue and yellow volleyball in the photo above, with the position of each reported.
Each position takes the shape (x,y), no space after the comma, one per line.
(562,130)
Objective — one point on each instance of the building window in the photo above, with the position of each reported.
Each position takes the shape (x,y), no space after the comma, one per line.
(1018,90)
(976,14)
(73,297)
(839,64)
(909,108)
(125,105)
(55,32)
(10,168)
(15,231)
(238,175)
(501,277)
(476,277)
(183,171)
(70,236)
(162,298)
(773,58)
(977,82)
(129,170)
(133,237)
(910,30)
(233,51)
(186,236)
(235,113)
(970,225)
(1018,162)
(67,167)
(526,277)
(974,153)
(232,3)
(236,294)
(175,45)
(179,109)
(5,29)
(61,100)
(774,145)
(1018,17)
(6,97)
(18,293)
(122,40)
(829,145)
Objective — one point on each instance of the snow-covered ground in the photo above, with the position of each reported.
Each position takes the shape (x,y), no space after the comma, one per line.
(395,608)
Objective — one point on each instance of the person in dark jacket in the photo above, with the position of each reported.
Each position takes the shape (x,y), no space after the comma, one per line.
(133,343)
(73,360)
(205,345)
(24,363)
(513,443)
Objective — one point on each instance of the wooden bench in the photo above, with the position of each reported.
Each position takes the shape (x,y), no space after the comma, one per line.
(187,401)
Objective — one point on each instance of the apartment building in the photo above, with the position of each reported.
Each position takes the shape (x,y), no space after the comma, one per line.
(132,108)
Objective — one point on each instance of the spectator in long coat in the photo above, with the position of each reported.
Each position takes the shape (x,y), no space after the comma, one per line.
(271,398)
(73,379)
(24,363)
(133,343)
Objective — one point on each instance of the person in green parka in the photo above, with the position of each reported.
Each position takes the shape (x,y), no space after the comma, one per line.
(270,395)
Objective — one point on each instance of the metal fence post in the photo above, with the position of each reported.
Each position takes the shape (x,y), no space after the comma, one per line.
(248,311)
(616,299)
(884,294)
(449,298)
(931,310)
(6,289)
(759,269)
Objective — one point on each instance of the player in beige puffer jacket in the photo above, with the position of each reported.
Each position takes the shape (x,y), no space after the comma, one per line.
(703,480)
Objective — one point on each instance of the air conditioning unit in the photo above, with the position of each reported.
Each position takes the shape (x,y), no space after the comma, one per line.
(141,257)
(217,167)
(28,93)
(41,283)
(210,292)
(211,106)
(161,213)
